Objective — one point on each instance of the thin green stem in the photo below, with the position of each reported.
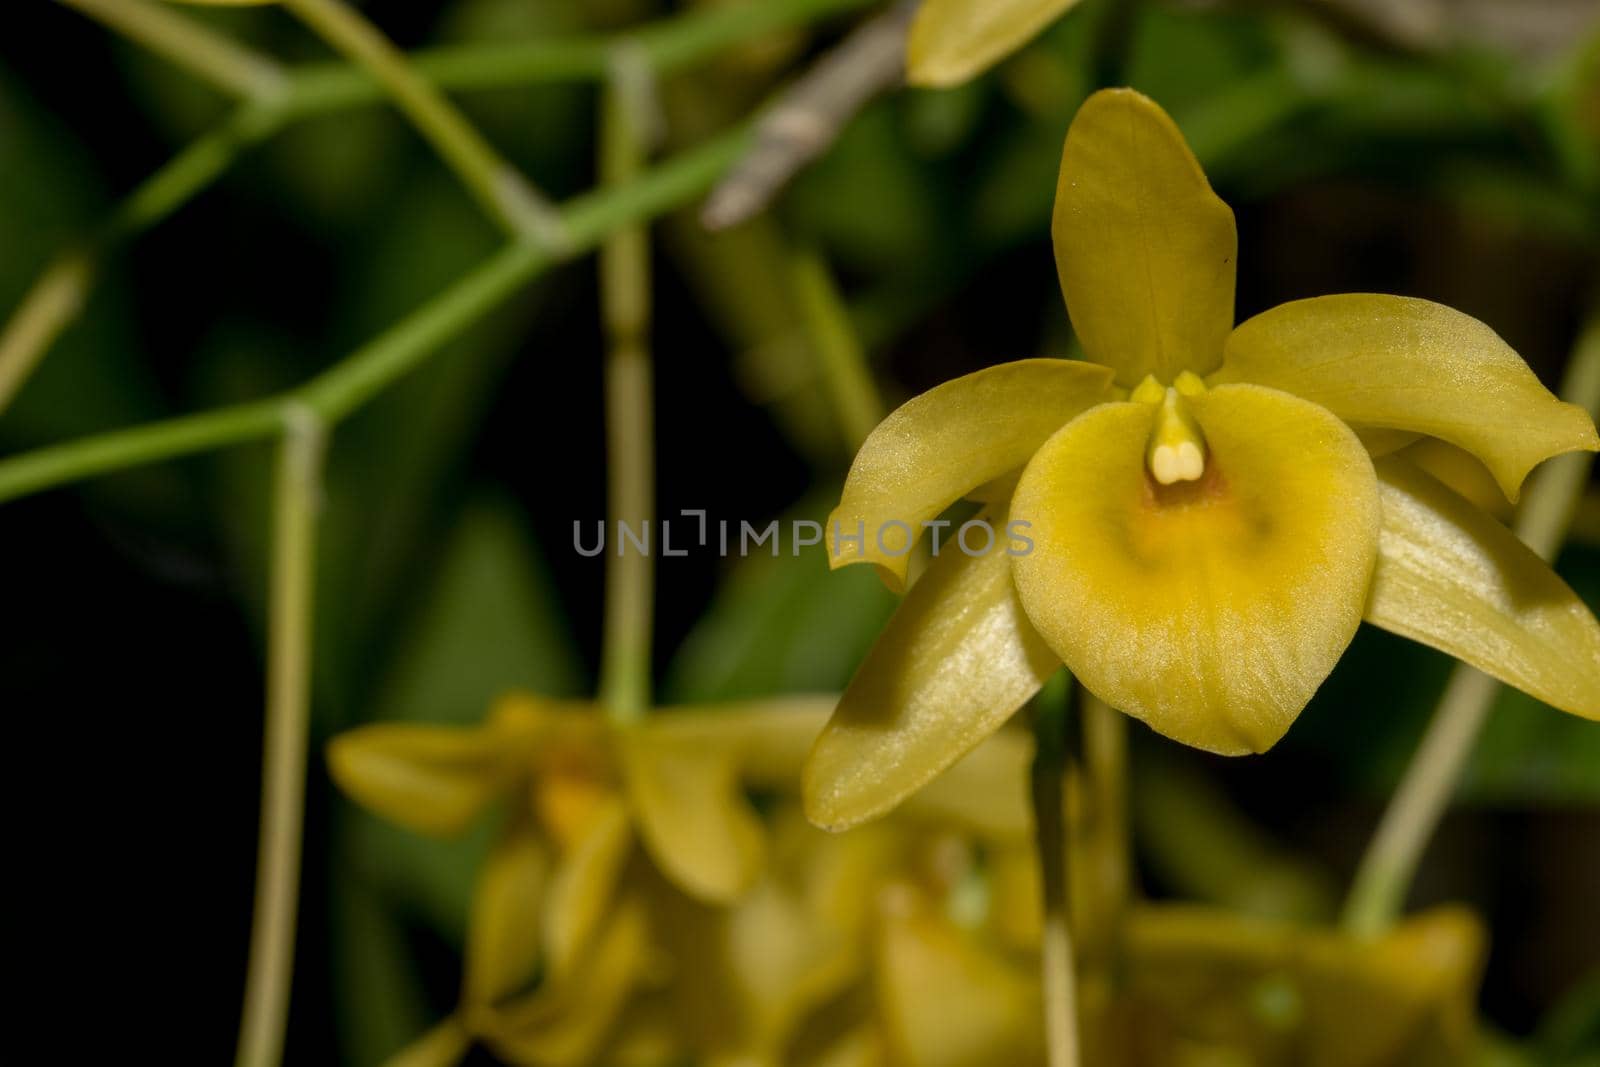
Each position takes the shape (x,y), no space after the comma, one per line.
(1106,844)
(283,774)
(1058,968)
(498,186)
(57,297)
(665,46)
(350,383)
(1385,874)
(840,356)
(226,64)
(630,431)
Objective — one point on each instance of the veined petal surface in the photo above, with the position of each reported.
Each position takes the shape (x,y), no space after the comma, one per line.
(1408,364)
(1211,609)
(1451,577)
(957,658)
(954,40)
(1145,250)
(935,447)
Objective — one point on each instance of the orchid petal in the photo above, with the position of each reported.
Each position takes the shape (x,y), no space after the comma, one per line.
(692,812)
(946,1000)
(768,740)
(1407,364)
(583,886)
(985,792)
(1463,472)
(430,779)
(444,1046)
(1451,577)
(503,940)
(934,448)
(563,1024)
(954,40)
(956,660)
(1145,250)
(1211,609)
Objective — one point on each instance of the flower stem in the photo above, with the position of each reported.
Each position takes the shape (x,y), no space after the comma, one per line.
(1390,864)
(498,186)
(1105,757)
(266,1003)
(667,45)
(58,296)
(853,397)
(625,107)
(227,65)
(350,383)
(1058,969)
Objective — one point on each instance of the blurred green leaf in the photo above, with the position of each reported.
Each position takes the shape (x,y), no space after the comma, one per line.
(489,623)
(1569,1034)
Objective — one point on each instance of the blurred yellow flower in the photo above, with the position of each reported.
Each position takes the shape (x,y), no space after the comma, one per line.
(569,926)
(557,939)
(1196,522)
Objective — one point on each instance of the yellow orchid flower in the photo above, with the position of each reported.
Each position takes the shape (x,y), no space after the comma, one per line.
(1196,522)
(952,41)
(1206,987)
(797,960)
(560,936)
(553,902)
(1197,987)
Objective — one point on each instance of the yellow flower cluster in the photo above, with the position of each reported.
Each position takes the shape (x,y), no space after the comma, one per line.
(601,934)
(1213,510)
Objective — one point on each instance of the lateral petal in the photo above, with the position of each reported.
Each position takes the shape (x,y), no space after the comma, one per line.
(1145,250)
(430,779)
(1406,364)
(935,447)
(954,40)
(1451,577)
(503,940)
(1211,609)
(948,1000)
(583,886)
(956,660)
(692,812)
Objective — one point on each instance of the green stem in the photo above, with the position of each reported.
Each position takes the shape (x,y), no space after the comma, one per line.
(840,357)
(1058,969)
(59,294)
(668,45)
(498,186)
(630,432)
(1384,877)
(350,383)
(1106,845)
(229,66)
(283,775)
